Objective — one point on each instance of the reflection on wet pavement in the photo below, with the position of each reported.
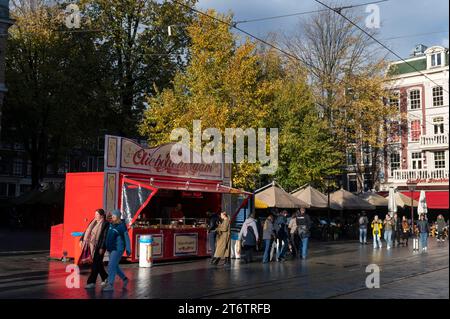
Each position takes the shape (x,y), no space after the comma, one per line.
(332,270)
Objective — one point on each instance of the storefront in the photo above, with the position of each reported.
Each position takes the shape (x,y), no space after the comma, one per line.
(156,196)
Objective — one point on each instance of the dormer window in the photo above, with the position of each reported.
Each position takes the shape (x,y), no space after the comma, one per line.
(435,57)
(436,60)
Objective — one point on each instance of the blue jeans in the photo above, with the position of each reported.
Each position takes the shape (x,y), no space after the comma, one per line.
(423,239)
(388,237)
(212,242)
(363,235)
(377,241)
(282,250)
(267,245)
(113,266)
(304,246)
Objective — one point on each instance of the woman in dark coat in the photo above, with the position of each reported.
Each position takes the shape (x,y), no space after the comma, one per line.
(93,240)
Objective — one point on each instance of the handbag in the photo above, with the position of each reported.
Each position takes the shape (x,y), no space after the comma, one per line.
(86,256)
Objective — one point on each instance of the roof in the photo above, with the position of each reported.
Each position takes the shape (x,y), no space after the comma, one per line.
(274,196)
(349,201)
(314,198)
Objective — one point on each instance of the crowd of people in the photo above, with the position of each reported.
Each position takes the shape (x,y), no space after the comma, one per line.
(397,231)
(279,236)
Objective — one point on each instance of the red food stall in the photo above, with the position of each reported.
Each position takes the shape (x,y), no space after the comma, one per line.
(148,187)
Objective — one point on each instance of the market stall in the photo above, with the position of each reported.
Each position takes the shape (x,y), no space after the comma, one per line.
(168,200)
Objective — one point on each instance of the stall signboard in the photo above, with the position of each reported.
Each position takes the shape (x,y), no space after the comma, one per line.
(125,156)
(185,244)
(157,245)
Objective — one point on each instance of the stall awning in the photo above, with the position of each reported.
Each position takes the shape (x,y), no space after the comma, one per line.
(435,199)
(188,186)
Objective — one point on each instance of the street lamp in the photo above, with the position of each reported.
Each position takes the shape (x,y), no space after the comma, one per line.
(329,179)
(412,186)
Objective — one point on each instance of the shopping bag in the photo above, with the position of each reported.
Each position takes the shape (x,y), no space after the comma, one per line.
(273,250)
(86,256)
(238,247)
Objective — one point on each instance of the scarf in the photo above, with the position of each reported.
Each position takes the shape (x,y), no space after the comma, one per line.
(92,235)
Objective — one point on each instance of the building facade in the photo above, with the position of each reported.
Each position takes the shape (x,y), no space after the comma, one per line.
(417,148)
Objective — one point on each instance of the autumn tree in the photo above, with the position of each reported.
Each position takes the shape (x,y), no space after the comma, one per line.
(222,87)
(345,68)
(140,52)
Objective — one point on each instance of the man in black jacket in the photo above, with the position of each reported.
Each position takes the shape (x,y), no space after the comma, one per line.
(424,230)
(303,227)
(212,225)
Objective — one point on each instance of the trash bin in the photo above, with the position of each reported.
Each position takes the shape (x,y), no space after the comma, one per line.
(77,249)
(145,251)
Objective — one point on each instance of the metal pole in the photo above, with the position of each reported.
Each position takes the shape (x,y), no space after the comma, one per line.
(412,212)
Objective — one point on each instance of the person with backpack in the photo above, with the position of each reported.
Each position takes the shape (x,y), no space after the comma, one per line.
(117,241)
(424,230)
(249,238)
(363,222)
(282,235)
(377,226)
(303,228)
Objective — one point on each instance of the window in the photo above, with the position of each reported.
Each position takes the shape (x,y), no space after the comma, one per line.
(436,59)
(416,159)
(438,96)
(414,99)
(395,132)
(351,157)
(3,189)
(395,162)
(438,123)
(415,130)
(24,188)
(394,100)
(439,159)
(367,154)
(352,184)
(17,167)
(11,190)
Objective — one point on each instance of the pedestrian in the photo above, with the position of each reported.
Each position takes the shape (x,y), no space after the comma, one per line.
(117,241)
(397,231)
(388,228)
(294,234)
(94,239)
(363,222)
(440,227)
(282,235)
(424,230)
(405,231)
(268,237)
(249,238)
(377,226)
(304,231)
(212,226)
(223,239)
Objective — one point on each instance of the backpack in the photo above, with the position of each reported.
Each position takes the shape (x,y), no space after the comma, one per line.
(250,237)
(362,222)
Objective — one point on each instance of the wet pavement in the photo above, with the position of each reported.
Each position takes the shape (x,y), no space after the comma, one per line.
(333,270)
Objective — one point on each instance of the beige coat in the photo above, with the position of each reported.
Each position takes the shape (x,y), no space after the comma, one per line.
(223,232)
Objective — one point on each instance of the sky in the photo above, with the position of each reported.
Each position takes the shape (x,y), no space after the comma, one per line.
(410,18)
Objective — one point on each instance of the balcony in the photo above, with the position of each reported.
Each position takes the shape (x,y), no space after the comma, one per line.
(434,141)
(434,176)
